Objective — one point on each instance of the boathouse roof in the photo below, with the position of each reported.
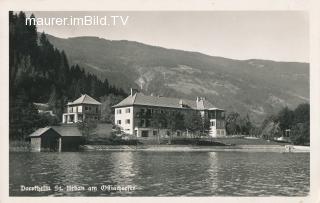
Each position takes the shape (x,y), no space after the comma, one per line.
(67,130)
(39,132)
(64,131)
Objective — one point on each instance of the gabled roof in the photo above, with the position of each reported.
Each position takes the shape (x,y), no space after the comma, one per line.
(40,131)
(146,100)
(64,131)
(85,99)
(42,106)
(67,130)
(129,101)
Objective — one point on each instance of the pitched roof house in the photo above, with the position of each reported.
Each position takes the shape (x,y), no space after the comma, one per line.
(167,102)
(84,99)
(85,107)
(128,112)
(43,108)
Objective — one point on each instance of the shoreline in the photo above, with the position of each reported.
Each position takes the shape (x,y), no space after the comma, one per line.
(191,148)
(18,147)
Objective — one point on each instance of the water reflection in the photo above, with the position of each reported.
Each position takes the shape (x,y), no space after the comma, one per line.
(163,173)
(69,169)
(122,171)
(213,170)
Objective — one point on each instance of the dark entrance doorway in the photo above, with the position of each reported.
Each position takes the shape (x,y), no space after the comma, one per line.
(50,141)
(144,133)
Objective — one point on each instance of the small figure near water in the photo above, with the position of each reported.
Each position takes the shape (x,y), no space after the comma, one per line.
(288,148)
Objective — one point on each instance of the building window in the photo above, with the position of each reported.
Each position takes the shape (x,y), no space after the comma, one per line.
(142,122)
(218,124)
(148,112)
(144,133)
(127,121)
(119,122)
(218,132)
(128,110)
(213,123)
(86,108)
(155,133)
(148,123)
(96,109)
(118,111)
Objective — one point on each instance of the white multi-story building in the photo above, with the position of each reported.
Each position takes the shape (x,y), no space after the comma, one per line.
(85,107)
(134,114)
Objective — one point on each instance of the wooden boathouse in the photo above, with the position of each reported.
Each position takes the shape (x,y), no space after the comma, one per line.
(56,138)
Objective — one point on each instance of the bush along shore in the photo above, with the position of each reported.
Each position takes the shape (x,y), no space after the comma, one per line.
(19,146)
(189,148)
(237,143)
(114,143)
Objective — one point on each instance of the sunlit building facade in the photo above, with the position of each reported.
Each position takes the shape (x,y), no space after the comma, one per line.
(134,114)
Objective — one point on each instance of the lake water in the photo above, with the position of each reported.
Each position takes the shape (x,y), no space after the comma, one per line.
(161,173)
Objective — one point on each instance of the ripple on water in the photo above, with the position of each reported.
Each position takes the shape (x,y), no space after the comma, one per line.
(164,173)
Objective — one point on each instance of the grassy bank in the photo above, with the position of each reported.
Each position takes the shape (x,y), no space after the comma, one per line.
(103,139)
(186,148)
(19,146)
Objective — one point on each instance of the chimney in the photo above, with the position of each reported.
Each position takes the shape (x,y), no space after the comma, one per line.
(180,103)
(200,103)
(133,91)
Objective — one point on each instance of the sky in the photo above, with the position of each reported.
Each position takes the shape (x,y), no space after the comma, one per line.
(272,35)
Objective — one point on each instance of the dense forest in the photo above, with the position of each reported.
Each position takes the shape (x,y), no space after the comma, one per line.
(294,124)
(287,122)
(38,72)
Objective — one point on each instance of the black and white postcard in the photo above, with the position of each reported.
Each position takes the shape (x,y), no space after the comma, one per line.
(117,101)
